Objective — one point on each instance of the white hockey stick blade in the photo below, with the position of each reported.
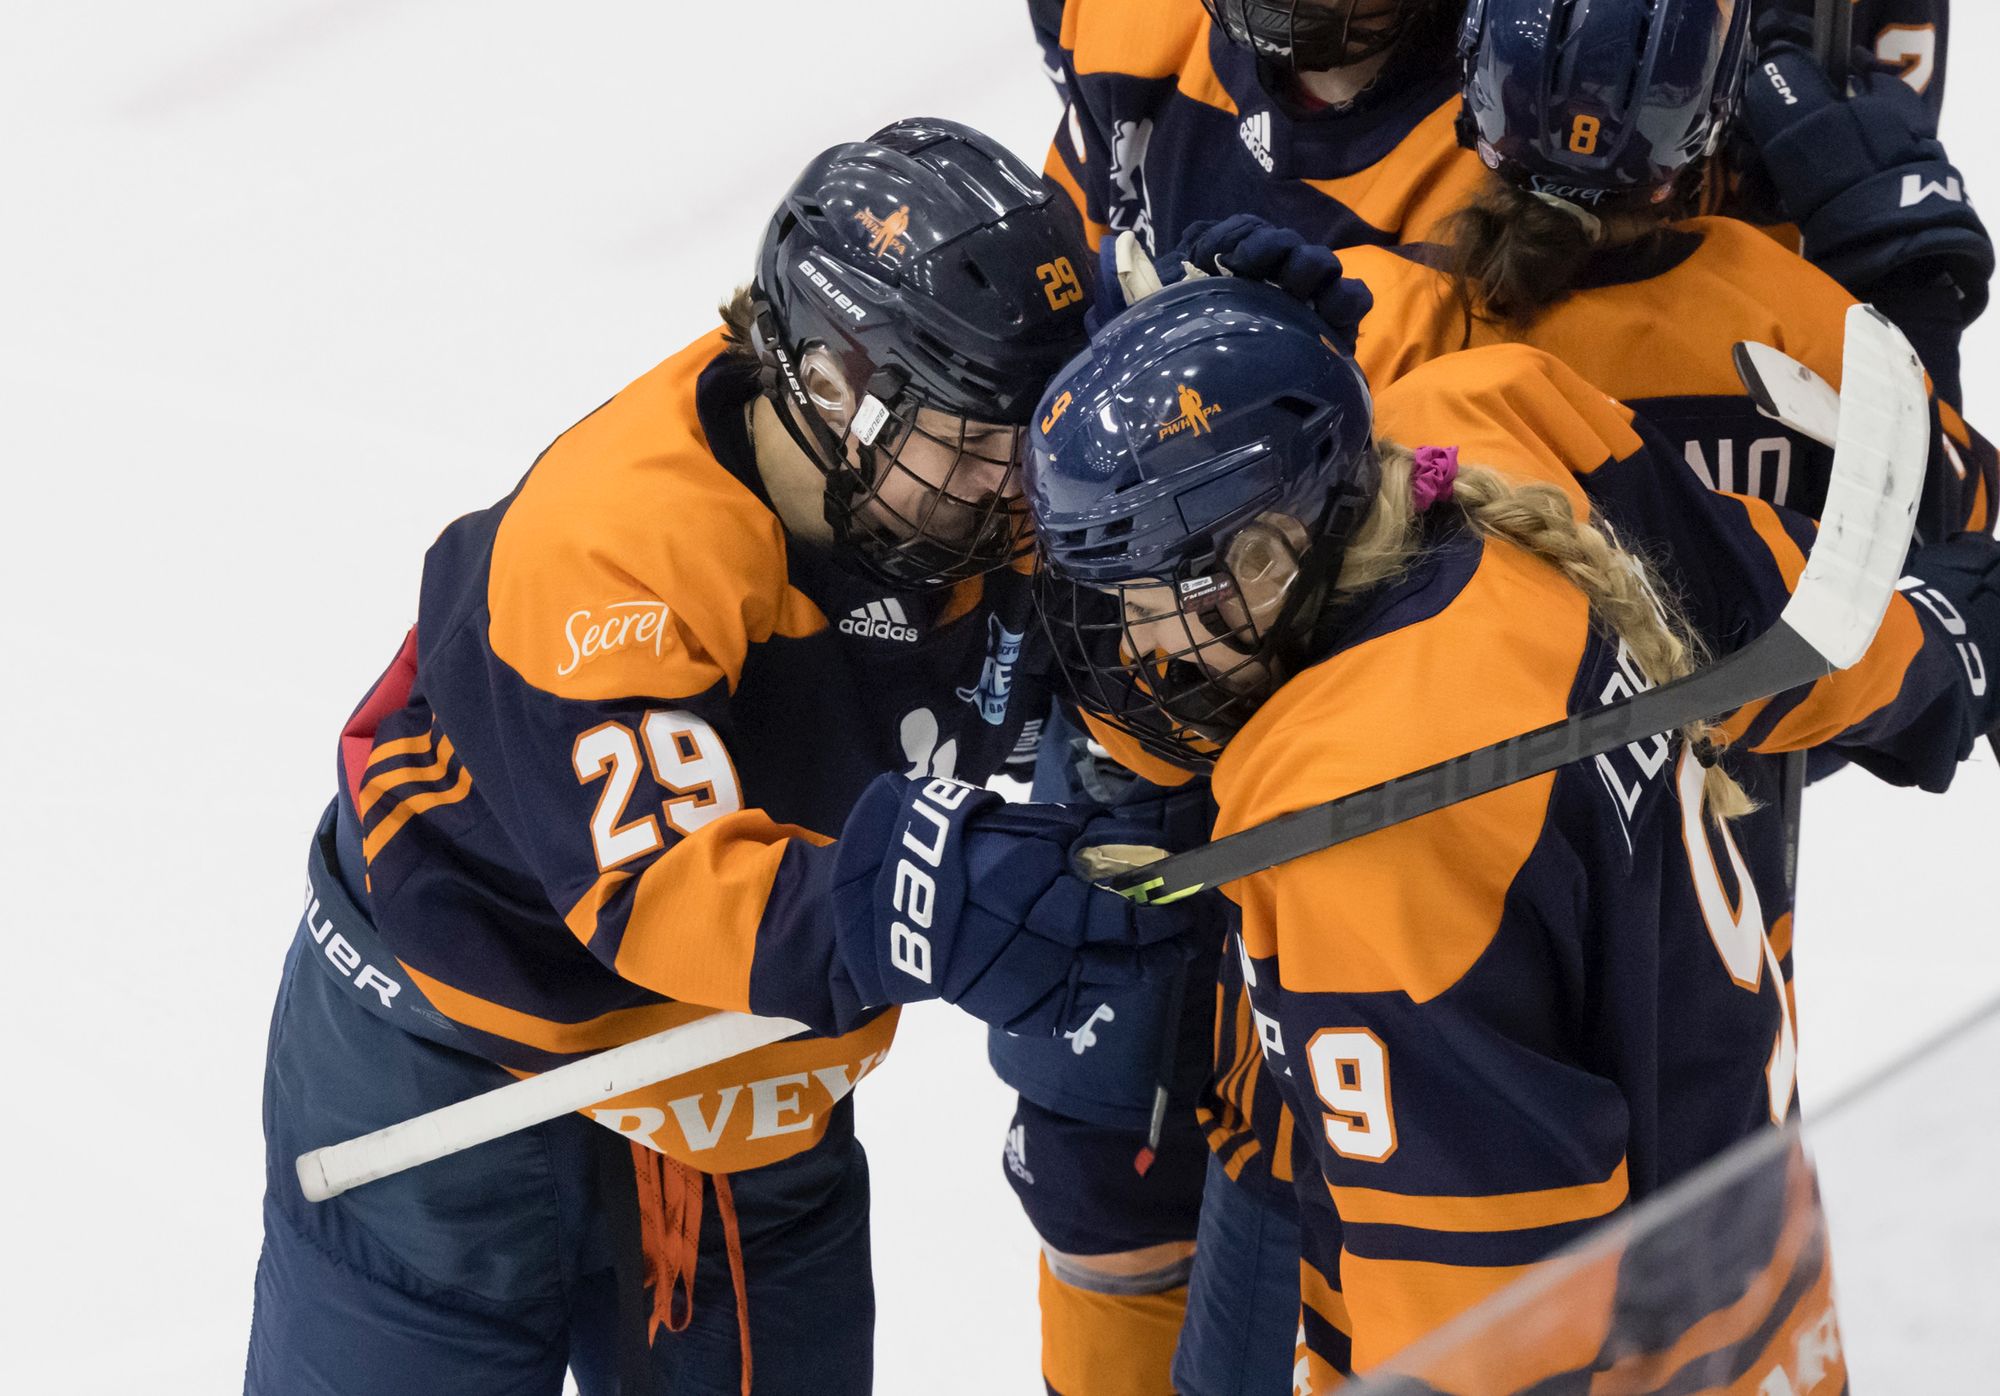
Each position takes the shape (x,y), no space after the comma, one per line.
(1136,277)
(1788,392)
(1880,454)
(330,1171)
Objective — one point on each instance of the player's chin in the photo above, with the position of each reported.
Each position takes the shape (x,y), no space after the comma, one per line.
(992,530)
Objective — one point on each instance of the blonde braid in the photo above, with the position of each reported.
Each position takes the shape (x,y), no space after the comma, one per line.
(1539,520)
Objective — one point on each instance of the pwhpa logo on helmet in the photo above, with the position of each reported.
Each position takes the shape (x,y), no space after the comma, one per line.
(832,292)
(887,236)
(1192,413)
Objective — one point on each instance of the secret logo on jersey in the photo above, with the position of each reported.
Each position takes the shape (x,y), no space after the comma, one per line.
(1256,134)
(624,623)
(888,235)
(996,672)
(1193,413)
(880,620)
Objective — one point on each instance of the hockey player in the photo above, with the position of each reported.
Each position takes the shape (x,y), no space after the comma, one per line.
(595,796)
(1334,117)
(1330,116)
(1573,250)
(1505,1021)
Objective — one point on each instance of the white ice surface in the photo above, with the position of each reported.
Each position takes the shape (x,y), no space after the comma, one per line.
(289,285)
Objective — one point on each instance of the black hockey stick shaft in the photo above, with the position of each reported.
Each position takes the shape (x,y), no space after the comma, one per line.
(1776,662)
(1833,40)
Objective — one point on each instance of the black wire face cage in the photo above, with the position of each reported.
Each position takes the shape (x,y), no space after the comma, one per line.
(1308,35)
(925,503)
(949,513)
(1181,663)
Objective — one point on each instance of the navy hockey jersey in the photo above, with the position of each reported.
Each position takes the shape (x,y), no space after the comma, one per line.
(1503,1022)
(1168,123)
(596,792)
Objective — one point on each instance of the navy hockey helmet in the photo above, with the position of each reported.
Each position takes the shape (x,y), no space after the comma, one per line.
(914,293)
(1311,35)
(1194,477)
(1601,101)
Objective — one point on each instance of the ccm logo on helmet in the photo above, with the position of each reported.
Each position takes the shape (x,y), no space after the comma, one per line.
(831,291)
(914,893)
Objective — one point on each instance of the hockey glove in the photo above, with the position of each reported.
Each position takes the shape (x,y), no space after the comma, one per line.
(1245,245)
(1863,176)
(1960,586)
(943,890)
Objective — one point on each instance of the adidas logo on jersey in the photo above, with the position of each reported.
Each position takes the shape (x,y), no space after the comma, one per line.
(1256,133)
(1017,1154)
(880,620)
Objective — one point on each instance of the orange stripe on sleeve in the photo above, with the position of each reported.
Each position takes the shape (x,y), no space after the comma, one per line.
(1395,1302)
(379,837)
(1058,173)
(402,746)
(549,1035)
(1725,1328)
(1513,1211)
(1322,1298)
(381,785)
(582,918)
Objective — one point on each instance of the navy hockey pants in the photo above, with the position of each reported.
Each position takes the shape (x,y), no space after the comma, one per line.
(489,1272)
(1243,1298)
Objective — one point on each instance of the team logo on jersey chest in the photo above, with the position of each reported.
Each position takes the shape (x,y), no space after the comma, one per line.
(889,235)
(996,672)
(1131,204)
(1191,413)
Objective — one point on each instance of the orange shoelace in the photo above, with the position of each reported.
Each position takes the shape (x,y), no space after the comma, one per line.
(670,1205)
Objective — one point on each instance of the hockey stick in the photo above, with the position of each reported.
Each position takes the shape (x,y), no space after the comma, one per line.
(1792,395)
(330,1171)
(1795,397)
(1833,40)
(1788,392)
(1850,576)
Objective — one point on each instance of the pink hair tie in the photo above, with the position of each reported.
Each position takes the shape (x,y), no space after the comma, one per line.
(1435,473)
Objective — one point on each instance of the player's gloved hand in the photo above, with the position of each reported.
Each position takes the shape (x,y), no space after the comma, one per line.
(1962,591)
(1245,245)
(1863,176)
(944,890)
